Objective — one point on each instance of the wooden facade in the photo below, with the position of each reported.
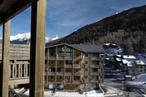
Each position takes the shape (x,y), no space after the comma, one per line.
(68,68)
(19,64)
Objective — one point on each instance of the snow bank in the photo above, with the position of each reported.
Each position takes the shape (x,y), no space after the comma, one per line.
(111,91)
(92,93)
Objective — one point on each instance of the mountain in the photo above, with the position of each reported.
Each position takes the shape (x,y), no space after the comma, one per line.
(128,29)
(24,38)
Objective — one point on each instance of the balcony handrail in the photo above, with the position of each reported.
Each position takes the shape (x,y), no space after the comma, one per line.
(12,93)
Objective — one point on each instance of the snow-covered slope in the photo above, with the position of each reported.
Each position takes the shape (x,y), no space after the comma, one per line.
(20,37)
(24,38)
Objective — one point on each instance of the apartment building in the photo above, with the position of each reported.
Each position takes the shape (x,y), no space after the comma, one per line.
(75,67)
(19,64)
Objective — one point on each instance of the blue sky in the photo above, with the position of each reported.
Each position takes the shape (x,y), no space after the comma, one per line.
(66,16)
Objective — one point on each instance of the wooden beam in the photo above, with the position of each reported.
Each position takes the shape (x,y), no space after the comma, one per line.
(16,8)
(1,1)
(37,56)
(5,61)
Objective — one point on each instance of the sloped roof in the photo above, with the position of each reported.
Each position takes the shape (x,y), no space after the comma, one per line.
(127,62)
(10,8)
(140,62)
(129,57)
(88,48)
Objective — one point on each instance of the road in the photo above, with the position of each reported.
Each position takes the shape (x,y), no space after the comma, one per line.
(119,85)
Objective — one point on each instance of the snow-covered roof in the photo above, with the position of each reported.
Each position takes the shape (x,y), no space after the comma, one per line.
(125,61)
(106,43)
(128,63)
(110,44)
(119,56)
(128,75)
(140,62)
(118,59)
(129,57)
(107,58)
(114,44)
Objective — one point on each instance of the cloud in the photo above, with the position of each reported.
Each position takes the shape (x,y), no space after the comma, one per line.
(51,39)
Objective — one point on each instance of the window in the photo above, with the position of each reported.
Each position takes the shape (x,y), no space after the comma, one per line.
(86,69)
(86,55)
(68,56)
(60,62)
(86,62)
(76,78)
(51,69)
(60,69)
(68,62)
(69,70)
(52,52)
(59,78)
(95,62)
(61,52)
(95,70)
(67,79)
(97,77)
(77,62)
(51,78)
(68,49)
(46,61)
(51,62)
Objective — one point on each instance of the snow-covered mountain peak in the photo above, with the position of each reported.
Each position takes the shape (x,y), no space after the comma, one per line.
(20,37)
(26,37)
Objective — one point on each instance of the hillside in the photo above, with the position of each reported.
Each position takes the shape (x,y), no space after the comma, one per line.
(128,29)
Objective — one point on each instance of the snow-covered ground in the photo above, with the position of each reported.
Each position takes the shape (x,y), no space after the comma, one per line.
(92,93)
(111,91)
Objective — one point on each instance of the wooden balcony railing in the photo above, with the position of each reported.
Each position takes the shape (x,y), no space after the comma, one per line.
(76,66)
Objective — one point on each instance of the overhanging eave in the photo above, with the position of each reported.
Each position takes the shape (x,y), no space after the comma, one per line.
(8,11)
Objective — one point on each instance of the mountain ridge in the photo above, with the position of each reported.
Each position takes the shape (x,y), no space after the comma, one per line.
(24,38)
(130,24)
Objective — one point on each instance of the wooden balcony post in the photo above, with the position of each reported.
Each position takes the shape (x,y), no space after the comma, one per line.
(37,51)
(4,78)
